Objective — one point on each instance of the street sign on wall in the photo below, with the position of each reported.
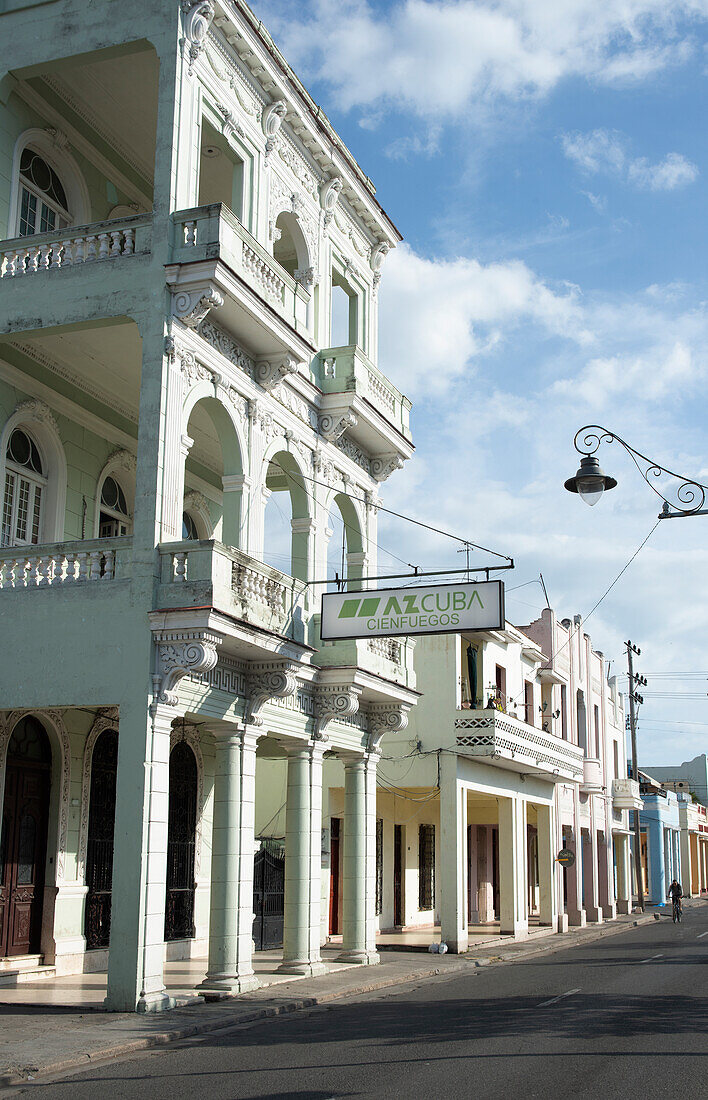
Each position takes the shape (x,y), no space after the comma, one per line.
(430,609)
(566,857)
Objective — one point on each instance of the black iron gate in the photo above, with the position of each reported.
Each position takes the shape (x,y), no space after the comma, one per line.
(268,898)
(99,851)
(181,837)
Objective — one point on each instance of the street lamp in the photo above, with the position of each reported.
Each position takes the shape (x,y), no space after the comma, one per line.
(590,482)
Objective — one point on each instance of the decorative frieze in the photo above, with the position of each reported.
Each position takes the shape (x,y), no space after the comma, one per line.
(37,410)
(349,447)
(227,676)
(298,166)
(223,343)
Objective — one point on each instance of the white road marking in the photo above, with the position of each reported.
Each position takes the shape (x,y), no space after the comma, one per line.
(560,997)
(702,934)
(651,959)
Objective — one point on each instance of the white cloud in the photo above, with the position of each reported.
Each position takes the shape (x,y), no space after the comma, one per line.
(606,151)
(443,57)
(598,202)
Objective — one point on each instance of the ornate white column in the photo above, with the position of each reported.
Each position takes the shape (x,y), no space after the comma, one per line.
(545,816)
(135,958)
(303,838)
(176,447)
(359,862)
(592,876)
(235,488)
(230,966)
(624,885)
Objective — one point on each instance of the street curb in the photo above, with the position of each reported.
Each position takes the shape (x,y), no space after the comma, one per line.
(550,944)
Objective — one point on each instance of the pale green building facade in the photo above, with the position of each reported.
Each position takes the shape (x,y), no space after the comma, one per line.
(189,269)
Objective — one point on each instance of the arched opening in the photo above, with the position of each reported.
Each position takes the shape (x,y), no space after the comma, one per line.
(181,843)
(43,202)
(99,849)
(25,488)
(114,518)
(289,245)
(190,531)
(23,845)
(33,477)
(345,549)
(286,524)
(215,458)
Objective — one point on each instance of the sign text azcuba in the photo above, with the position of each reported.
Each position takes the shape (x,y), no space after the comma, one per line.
(433,609)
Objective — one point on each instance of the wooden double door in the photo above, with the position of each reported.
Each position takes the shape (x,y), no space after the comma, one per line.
(23,851)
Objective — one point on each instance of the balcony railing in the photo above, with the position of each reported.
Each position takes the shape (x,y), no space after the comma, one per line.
(207,573)
(349,369)
(75,245)
(625,794)
(215,233)
(509,743)
(65,564)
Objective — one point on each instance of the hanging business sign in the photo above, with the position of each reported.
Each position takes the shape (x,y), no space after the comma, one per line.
(432,609)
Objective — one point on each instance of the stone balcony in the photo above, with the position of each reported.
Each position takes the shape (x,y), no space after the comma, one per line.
(60,250)
(592,781)
(210,248)
(351,384)
(507,742)
(389,658)
(625,795)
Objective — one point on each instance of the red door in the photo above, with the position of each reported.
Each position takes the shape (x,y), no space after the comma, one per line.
(22,857)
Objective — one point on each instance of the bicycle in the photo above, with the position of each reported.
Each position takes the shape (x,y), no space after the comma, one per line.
(676,910)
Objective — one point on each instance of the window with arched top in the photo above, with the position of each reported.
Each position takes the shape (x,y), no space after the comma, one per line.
(189,527)
(25,485)
(43,201)
(114,518)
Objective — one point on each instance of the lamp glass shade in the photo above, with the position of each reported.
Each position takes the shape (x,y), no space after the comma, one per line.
(590,489)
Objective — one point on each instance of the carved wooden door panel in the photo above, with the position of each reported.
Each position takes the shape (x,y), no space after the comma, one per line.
(24,848)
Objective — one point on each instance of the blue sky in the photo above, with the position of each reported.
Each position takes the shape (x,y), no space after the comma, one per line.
(546,164)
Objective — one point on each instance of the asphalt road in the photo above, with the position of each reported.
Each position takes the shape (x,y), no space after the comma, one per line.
(623,1016)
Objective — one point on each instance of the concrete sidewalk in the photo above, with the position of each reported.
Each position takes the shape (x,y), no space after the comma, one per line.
(38,1040)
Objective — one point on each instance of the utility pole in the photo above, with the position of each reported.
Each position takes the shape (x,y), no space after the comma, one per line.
(634,697)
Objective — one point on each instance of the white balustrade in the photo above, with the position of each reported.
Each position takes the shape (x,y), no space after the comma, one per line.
(386,647)
(25,567)
(49,251)
(263,274)
(380,393)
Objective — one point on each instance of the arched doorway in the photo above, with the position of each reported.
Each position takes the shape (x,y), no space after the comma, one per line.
(23,847)
(99,849)
(181,842)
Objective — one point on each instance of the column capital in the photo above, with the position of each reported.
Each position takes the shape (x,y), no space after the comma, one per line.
(233,483)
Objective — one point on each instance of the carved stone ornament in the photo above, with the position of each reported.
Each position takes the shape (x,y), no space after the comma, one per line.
(123,459)
(306,277)
(271,122)
(59,138)
(333,702)
(333,427)
(229,126)
(382,466)
(182,653)
(271,371)
(385,718)
(222,342)
(193,308)
(37,410)
(329,197)
(378,255)
(198,17)
(266,682)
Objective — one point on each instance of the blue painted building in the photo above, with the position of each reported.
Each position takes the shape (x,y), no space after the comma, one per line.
(661,844)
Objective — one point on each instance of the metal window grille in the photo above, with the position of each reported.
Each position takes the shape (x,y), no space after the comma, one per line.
(426,866)
(379,866)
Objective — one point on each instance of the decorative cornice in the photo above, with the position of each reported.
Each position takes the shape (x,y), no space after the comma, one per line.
(74,379)
(334,427)
(266,682)
(192,308)
(333,701)
(271,371)
(382,466)
(181,653)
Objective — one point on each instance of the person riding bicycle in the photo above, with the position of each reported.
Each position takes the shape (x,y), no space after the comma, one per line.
(675,893)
